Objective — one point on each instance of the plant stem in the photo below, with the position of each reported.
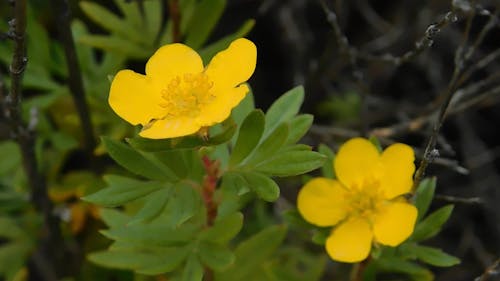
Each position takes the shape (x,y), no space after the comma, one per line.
(49,250)
(75,80)
(208,188)
(175,16)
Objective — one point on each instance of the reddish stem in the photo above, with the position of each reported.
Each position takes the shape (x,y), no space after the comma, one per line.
(208,188)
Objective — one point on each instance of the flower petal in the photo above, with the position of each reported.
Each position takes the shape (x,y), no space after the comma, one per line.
(135,98)
(394,223)
(321,202)
(220,108)
(397,161)
(356,159)
(170,128)
(173,60)
(350,241)
(234,65)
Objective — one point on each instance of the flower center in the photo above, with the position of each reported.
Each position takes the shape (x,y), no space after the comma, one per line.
(186,95)
(365,198)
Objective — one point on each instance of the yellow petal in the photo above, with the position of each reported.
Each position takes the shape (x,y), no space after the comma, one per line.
(397,161)
(350,241)
(220,108)
(234,65)
(356,159)
(78,217)
(321,202)
(135,98)
(173,60)
(394,223)
(170,128)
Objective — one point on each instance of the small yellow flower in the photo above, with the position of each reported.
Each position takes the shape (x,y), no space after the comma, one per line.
(365,202)
(177,96)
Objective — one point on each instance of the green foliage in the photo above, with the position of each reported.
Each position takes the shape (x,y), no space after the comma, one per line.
(402,258)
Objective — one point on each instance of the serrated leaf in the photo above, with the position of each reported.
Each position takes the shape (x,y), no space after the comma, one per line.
(153,206)
(284,109)
(187,142)
(245,107)
(252,253)
(248,137)
(299,125)
(193,271)
(205,16)
(432,224)
(291,163)
(224,229)
(215,256)
(424,195)
(327,168)
(122,190)
(269,146)
(135,162)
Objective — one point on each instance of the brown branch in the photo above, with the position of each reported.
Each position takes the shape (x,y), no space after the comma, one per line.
(75,80)
(208,190)
(175,16)
(24,135)
(430,150)
(492,270)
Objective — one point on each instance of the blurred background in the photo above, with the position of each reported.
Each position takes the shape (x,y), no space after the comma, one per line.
(381,68)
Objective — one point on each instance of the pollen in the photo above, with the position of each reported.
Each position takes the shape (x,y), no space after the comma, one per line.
(364,198)
(186,95)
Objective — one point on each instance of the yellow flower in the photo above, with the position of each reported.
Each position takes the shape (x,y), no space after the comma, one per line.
(177,96)
(365,202)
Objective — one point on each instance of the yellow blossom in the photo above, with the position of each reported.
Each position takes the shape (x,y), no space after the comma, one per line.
(365,202)
(178,96)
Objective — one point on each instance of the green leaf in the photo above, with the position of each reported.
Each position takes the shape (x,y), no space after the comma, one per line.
(208,52)
(206,15)
(284,109)
(424,195)
(252,253)
(151,235)
(110,21)
(215,256)
(187,142)
(374,140)
(224,229)
(291,163)
(122,190)
(269,146)
(113,217)
(184,202)
(263,186)
(153,206)
(9,150)
(9,229)
(146,262)
(249,136)
(392,264)
(136,162)
(245,107)
(299,125)
(432,224)
(193,271)
(13,256)
(327,168)
(433,256)
(115,45)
